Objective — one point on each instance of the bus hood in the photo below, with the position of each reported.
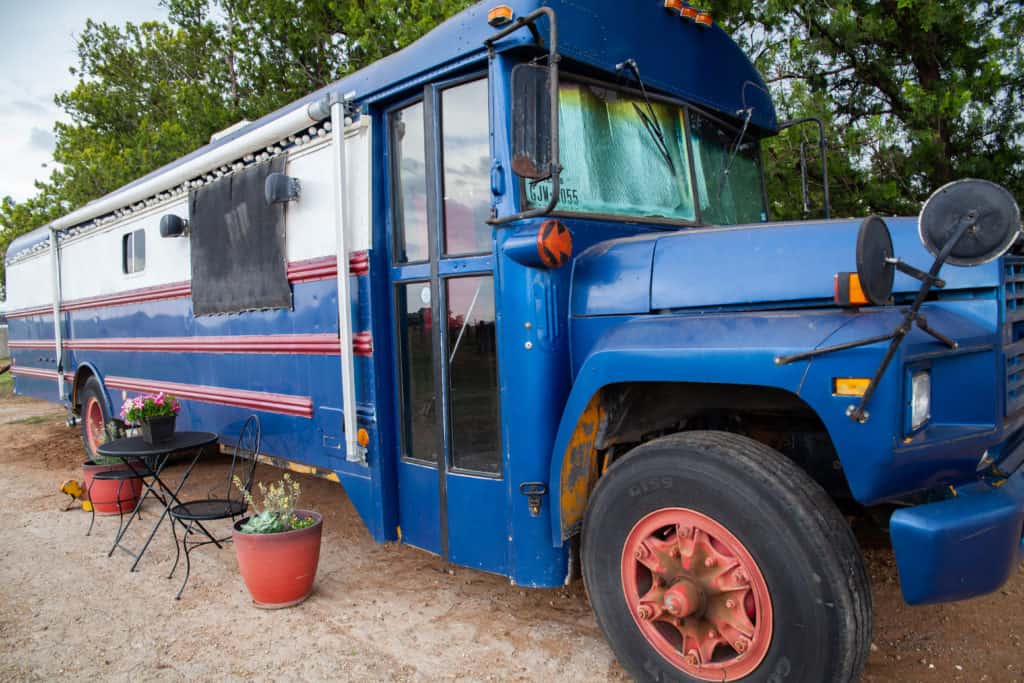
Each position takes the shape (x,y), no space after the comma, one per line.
(762,265)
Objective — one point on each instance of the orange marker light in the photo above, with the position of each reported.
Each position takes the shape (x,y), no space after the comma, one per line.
(674,5)
(848,291)
(704,19)
(554,244)
(850,386)
(689,13)
(500,15)
(363,437)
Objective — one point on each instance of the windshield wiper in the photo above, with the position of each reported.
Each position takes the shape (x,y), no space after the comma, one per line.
(649,118)
(748,114)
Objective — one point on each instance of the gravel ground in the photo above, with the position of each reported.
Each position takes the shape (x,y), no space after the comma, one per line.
(378,612)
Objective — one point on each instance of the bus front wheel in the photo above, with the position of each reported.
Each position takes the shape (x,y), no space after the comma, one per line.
(708,556)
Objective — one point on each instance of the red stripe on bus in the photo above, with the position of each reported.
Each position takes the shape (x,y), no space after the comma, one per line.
(283,404)
(308,344)
(311,270)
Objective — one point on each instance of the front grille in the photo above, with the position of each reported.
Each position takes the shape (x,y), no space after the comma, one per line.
(1013,331)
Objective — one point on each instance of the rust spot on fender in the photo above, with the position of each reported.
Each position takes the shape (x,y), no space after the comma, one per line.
(579,466)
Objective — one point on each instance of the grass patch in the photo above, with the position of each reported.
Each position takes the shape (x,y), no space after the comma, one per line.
(6,380)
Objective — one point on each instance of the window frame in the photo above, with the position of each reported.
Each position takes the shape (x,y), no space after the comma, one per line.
(441,89)
(394,172)
(128,264)
(698,222)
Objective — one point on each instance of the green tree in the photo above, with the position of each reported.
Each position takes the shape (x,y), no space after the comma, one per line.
(916,93)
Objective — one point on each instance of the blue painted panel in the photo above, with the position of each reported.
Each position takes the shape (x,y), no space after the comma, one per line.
(419,506)
(614,278)
(778,262)
(477,519)
(961,547)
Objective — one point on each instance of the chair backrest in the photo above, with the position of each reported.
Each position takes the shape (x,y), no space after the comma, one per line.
(243,458)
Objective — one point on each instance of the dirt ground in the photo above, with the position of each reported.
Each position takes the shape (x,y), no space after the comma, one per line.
(377,613)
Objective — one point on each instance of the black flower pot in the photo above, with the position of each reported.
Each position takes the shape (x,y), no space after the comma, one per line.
(157,430)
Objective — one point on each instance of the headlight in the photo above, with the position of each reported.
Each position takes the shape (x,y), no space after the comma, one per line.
(920,399)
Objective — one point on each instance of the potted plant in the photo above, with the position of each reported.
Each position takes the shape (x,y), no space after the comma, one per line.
(154,413)
(278,547)
(110,497)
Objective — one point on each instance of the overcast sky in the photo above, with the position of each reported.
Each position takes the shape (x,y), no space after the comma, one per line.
(38,39)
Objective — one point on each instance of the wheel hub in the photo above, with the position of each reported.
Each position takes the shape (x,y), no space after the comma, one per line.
(94,424)
(697,594)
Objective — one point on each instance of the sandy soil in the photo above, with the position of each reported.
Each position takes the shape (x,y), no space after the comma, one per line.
(377,613)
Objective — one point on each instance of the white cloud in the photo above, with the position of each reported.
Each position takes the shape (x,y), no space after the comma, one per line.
(39,49)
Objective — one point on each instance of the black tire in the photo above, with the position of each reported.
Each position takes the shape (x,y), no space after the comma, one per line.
(809,558)
(91,391)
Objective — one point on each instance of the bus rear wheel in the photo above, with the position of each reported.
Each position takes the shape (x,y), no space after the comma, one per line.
(710,557)
(94,417)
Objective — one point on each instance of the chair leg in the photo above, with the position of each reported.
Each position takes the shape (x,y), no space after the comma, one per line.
(177,548)
(92,507)
(188,561)
(120,518)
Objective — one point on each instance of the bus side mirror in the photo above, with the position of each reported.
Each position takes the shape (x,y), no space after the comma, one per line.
(531,122)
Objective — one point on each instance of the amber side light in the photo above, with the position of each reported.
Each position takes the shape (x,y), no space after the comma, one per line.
(674,5)
(705,19)
(848,291)
(689,13)
(500,15)
(850,386)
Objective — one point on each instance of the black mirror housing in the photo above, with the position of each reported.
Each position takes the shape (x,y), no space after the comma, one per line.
(531,122)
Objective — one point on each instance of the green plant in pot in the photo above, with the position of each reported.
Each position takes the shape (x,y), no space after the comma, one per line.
(278,546)
(154,413)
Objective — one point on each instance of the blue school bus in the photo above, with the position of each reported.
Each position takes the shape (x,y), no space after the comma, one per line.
(517,289)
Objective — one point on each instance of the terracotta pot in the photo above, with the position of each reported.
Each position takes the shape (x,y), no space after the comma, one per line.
(104,494)
(157,430)
(278,569)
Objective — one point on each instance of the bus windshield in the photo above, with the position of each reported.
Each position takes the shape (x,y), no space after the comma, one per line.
(620,160)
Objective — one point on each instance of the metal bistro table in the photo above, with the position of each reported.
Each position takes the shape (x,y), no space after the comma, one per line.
(154,457)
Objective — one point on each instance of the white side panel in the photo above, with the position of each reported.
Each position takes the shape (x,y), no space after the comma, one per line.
(310,219)
(28,282)
(359,177)
(92,266)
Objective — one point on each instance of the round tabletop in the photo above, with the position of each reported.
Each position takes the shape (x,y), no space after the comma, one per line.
(136,446)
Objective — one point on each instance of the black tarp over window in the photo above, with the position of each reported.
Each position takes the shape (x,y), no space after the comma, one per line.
(239,260)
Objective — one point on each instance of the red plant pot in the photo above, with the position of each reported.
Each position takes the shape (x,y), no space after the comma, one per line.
(110,497)
(278,569)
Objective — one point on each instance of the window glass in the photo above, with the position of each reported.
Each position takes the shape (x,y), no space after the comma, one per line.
(416,361)
(133,252)
(410,169)
(467,168)
(614,160)
(729,198)
(473,375)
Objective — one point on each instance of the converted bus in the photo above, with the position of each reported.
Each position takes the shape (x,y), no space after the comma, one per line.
(517,290)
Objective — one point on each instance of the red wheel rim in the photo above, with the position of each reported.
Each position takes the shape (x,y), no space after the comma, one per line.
(94,424)
(697,594)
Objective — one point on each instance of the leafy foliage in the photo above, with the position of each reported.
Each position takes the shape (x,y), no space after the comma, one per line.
(915,93)
(279,502)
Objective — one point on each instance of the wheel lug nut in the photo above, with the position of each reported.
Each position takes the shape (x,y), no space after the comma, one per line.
(674,552)
(645,613)
(741,645)
(710,562)
(692,659)
(730,604)
(712,635)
